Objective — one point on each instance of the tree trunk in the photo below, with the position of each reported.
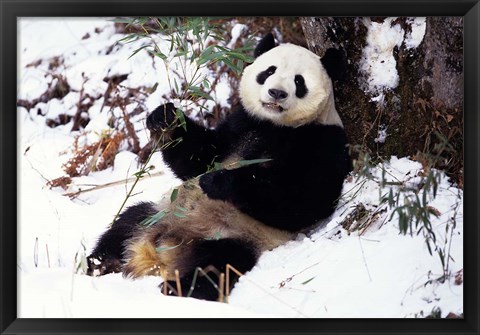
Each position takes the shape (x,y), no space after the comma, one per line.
(403,92)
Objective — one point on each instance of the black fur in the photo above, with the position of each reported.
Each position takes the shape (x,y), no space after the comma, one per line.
(107,256)
(265,44)
(298,185)
(262,76)
(196,150)
(301,89)
(313,156)
(214,255)
(335,63)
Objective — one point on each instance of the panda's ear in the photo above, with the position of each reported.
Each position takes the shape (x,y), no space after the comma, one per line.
(335,62)
(265,44)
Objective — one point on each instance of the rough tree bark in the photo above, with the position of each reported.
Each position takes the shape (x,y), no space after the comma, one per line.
(427,97)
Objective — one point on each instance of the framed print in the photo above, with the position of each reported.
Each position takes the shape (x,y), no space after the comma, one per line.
(222,167)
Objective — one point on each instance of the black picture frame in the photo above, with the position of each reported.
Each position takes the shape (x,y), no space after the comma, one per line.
(10,10)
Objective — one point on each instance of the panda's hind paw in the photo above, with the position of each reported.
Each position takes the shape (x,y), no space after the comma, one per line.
(201,290)
(99,266)
(168,288)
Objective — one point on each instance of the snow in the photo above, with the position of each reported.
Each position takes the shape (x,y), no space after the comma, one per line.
(333,274)
(415,37)
(222,91)
(237,30)
(378,62)
(381,135)
(327,273)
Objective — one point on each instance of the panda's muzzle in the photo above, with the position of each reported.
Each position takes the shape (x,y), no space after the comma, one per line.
(277,97)
(273,106)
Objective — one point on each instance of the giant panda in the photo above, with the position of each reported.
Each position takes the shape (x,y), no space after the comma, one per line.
(283,158)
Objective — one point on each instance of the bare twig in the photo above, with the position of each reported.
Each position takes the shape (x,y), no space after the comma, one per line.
(165,287)
(113,183)
(48,255)
(35,252)
(179,285)
(229,267)
(221,285)
(364,259)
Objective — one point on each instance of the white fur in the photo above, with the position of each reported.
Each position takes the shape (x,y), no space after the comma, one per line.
(290,60)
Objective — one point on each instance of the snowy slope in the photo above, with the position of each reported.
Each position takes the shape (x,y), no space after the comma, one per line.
(329,273)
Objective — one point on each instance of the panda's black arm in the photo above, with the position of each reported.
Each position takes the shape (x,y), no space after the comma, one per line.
(188,148)
(243,186)
(194,153)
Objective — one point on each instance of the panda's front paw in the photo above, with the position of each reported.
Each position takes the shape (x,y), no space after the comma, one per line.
(162,121)
(216,184)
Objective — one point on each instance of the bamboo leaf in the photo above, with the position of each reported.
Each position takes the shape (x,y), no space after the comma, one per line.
(217,236)
(153,89)
(308,280)
(183,209)
(231,66)
(174,195)
(159,54)
(153,219)
(176,85)
(390,198)
(442,257)
(137,51)
(180,215)
(239,164)
(196,91)
(240,56)
(253,161)
(217,166)
(428,246)
(160,249)
(129,38)
(120,20)
(180,116)
(424,197)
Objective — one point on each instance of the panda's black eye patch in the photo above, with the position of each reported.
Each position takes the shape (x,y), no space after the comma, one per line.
(301,89)
(262,76)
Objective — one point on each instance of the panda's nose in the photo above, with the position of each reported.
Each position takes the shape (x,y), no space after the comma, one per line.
(277,94)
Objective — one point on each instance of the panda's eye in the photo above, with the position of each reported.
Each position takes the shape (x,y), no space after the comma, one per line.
(301,89)
(262,76)
(299,80)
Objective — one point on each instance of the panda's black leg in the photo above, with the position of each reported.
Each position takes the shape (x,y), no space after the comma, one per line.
(212,256)
(107,256)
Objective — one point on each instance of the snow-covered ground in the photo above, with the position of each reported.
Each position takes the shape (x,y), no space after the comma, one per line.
(328,273)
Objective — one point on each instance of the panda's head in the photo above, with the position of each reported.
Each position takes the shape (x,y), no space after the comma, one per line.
(290,85)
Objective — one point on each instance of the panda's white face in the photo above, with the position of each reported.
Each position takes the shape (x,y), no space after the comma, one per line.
(289,86)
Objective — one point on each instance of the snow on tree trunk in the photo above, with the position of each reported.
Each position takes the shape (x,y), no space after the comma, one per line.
(404,82)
